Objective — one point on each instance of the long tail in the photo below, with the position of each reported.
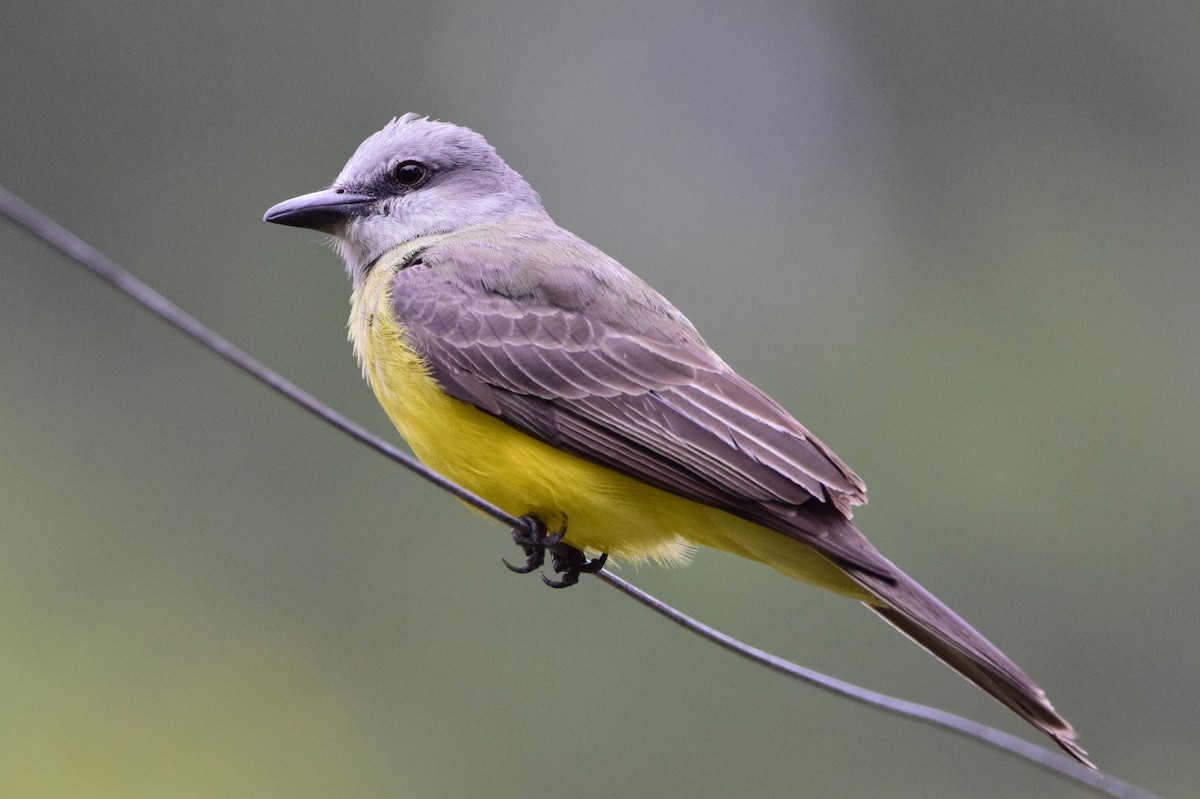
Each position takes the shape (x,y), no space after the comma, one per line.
(918,614)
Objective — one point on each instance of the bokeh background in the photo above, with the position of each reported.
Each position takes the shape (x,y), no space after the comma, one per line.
(959,241)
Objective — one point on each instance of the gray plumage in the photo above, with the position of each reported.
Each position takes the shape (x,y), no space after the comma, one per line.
(529,323)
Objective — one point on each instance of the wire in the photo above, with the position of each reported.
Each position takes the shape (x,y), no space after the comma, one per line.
(54,234)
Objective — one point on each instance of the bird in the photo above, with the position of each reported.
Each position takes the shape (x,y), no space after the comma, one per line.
(536,371)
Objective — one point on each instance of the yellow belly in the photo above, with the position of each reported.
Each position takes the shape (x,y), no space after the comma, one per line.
(603,510)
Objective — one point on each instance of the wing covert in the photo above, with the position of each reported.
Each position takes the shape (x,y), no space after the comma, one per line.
(654,403)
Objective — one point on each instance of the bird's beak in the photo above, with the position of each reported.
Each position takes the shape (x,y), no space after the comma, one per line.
(321,210)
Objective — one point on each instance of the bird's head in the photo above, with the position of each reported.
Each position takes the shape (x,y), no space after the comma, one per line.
(414,178)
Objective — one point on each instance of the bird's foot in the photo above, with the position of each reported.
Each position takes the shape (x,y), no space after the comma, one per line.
(570,563)
(565,559)
(533,540)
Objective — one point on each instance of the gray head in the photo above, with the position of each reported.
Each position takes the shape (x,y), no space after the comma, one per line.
(413,178)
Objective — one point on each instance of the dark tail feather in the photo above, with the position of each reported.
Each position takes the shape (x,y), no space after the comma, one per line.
(918,614)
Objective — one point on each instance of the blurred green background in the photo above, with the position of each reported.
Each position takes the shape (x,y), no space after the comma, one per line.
(957,240)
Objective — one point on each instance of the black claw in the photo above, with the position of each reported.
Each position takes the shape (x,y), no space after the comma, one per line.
(567,581)
(532,538)
(533,560)
(531,533)
(555,538)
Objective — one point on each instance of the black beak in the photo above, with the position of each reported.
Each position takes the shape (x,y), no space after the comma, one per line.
(321,210)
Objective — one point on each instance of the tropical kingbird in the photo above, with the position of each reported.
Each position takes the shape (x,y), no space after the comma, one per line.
(531,368)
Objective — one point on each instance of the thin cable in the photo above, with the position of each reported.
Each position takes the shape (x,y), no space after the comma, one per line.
(1047,759)
(54,234)
(104,268)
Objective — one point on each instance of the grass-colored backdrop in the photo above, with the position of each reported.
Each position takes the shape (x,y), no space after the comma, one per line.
(959,241)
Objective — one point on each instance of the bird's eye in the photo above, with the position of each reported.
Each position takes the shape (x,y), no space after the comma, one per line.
(411,173)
